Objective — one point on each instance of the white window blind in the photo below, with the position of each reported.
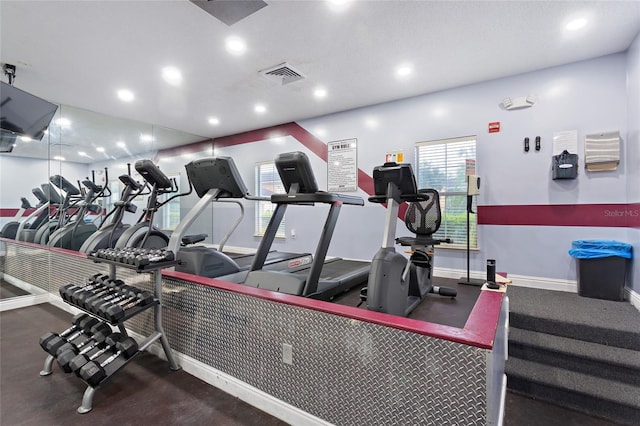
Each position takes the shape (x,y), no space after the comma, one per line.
(171,210)
(267,182)
(442,165)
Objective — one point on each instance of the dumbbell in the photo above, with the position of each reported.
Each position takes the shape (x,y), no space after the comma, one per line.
(44,340)
(100,327)
(92,304)
(65,357)
(50,342)
(93,373)
(85,299)
(96,280)
(71,292)
(100,305)
(154,257)
(82,358)
(117,311)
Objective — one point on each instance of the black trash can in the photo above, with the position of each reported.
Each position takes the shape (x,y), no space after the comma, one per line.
(603,266)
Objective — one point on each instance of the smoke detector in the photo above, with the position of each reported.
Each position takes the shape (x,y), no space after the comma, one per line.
(283,74)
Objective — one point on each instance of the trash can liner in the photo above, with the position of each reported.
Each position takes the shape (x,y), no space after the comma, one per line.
(597,249)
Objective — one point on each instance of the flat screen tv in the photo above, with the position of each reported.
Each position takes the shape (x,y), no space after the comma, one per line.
(23,114)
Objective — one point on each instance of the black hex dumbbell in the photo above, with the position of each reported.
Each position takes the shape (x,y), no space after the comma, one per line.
(122,292)
(54,341)
(82,358)
(94,281)
(86,299)
(117,311)
(93,373)
(77,319)
(74,345)
(66,356)
(72,294)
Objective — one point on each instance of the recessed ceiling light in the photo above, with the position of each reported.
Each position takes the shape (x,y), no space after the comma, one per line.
(82,153)
(100,149)
(235,45)
(338,5)
(576,24)
(404,70)
(121,144)
(260,109)
(146,137)
(63,122)
(25,138)
(172,75)
(126,95)
(214,121)
(320,93)
(371,123)
(59,158)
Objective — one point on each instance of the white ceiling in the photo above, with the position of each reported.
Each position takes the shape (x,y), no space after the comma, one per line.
(80,52)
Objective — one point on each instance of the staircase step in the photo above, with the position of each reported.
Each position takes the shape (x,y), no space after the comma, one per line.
(568,315)
(608,362)
(619,402)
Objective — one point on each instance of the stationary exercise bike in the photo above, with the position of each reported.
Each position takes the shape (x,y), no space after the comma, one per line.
(397,285)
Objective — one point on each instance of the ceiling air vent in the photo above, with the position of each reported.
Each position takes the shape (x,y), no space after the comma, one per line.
(283,74)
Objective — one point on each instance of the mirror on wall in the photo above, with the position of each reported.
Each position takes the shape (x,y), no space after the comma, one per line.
(81,149)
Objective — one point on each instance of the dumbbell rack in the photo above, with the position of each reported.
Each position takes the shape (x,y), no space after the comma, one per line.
(158,334)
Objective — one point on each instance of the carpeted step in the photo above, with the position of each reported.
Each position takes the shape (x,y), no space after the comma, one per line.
(619,402)
(608,362)
(568,315)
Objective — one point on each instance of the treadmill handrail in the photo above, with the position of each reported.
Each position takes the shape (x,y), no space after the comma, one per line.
(408,198)
(317,197)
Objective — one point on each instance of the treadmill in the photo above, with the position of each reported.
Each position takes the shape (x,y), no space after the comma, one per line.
(216,179)
(320,280)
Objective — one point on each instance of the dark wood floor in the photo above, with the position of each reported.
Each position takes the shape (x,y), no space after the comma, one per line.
(148,392)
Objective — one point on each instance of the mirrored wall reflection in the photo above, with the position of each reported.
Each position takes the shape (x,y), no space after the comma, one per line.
(71,178)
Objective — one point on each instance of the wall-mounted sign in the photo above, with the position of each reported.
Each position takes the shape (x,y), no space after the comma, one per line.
(342,166)
(494,127)
(394,157)
(469,166)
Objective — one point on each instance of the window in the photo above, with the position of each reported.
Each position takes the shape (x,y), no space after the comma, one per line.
(171,211)
(267,182)
(442,165)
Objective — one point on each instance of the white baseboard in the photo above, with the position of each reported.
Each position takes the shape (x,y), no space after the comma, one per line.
(517,280)
(241,390)
(36,296)
(632,297)
(535,282)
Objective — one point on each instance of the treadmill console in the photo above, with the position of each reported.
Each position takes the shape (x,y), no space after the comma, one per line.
(152,174)
(295,167)
(216,173)
(400,175)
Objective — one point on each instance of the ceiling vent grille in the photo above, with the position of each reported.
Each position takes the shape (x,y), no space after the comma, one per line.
(283,74)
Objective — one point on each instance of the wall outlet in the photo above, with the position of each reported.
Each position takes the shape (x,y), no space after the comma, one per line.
(293,233)
(287,353)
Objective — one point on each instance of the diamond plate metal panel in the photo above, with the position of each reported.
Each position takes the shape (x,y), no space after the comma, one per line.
(344,371)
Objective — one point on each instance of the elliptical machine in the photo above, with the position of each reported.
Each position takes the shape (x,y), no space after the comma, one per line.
(10,228)
(49,198)
(75,232)
(59,219)
(144,234)
(112,227)
(397,285)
